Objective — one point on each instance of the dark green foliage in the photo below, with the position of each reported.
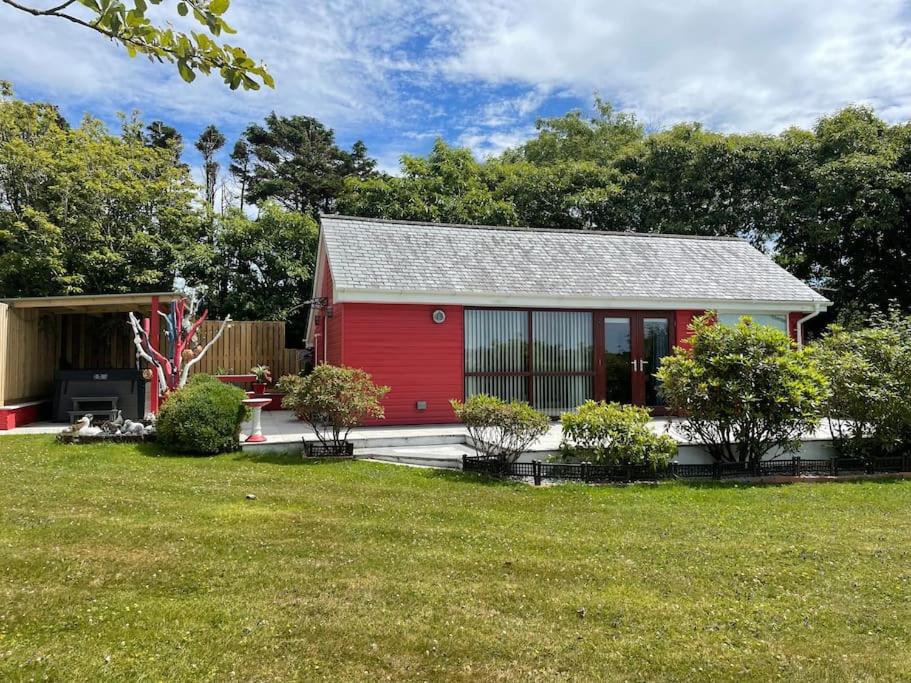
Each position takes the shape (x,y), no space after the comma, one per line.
(869,375)
(202,418)
(744,389)
(85,211)
(210,141)
(258,269)
(499,428)
(614,434)
(296,162)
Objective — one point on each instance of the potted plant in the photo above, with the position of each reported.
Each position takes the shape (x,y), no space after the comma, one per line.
(332,400)
(263,377)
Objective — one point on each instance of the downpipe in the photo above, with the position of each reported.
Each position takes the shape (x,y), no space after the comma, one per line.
(804,319)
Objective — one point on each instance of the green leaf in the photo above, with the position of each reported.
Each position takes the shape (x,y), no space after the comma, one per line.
(185,71)
(182,9)
(219,6)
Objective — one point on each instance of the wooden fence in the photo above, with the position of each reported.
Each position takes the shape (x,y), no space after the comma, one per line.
(245,344)
(28,350)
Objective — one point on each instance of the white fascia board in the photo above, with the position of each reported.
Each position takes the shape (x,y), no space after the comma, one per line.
(477,299)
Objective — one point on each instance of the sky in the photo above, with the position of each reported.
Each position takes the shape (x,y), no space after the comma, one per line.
(399,73)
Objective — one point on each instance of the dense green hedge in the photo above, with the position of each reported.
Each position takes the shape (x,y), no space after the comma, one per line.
(203,417)
(614,434)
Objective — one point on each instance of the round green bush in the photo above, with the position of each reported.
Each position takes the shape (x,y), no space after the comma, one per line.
(203,417)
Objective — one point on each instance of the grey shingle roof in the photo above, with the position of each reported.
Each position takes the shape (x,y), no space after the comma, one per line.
(401,256)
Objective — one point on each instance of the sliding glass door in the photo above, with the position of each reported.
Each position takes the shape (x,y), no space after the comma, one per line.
(556,360)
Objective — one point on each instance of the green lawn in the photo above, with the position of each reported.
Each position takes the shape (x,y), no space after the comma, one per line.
(117,562)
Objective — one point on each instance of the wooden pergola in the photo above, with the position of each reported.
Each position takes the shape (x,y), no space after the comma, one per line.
(38,333)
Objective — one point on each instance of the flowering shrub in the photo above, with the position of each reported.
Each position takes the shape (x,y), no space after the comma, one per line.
(332,399)
(744,390)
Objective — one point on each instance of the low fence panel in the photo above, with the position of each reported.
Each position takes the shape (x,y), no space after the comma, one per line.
(587,472)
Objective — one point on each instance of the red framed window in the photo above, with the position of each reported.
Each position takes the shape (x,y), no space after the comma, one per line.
(541,356)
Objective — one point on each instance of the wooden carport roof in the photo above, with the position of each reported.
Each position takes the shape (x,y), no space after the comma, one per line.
(93,303)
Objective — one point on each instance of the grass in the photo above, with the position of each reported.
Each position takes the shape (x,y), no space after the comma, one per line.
(118,562)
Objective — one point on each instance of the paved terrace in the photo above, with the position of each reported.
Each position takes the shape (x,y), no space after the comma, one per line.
(439,445)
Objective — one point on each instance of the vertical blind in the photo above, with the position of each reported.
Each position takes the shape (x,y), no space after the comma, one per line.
(559,375)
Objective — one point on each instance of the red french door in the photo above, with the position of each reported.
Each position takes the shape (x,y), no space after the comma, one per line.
(632,344)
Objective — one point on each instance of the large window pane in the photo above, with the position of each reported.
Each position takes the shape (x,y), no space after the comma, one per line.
(507,387)
(496,341)
(562,341)
(556,394)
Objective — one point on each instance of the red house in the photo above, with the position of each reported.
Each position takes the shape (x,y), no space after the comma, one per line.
(554,317)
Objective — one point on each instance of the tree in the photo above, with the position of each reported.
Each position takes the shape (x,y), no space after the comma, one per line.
(240,168)
(850,227)
(449,185)
(159,134)
(258,269)
(127,23)
(571,138)
(210,141)
(360,165)
(298,164)
(744,389)
(89,211)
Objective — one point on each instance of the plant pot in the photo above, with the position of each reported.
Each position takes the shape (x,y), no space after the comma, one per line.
(259,388)
(316,449)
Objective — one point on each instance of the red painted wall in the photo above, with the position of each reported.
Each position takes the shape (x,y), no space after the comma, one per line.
(420,360)
(329,349)
(792,323)
(683,320)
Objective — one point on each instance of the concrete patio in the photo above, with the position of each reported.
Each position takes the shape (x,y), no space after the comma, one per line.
(439,445)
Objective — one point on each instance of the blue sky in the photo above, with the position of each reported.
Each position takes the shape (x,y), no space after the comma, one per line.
(397,73)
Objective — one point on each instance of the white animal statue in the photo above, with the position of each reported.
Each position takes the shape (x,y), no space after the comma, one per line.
(82,423)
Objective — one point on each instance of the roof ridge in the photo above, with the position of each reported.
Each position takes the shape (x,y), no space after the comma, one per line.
(511,228)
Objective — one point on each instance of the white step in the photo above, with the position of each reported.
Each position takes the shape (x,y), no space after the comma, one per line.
(443,456)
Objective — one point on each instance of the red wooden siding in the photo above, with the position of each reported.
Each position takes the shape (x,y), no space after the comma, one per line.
(329,330)
(682,327)
(792,323)
(420,360)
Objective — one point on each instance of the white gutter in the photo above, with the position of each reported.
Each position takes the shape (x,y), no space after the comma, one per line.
(819,309)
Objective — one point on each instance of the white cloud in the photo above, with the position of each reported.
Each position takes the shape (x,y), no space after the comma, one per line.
(738,64)
(487,143)
(399,66)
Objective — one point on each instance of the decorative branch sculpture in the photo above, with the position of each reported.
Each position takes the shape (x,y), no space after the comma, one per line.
(183,350)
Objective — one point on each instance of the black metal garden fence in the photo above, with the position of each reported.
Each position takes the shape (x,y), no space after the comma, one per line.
(539,471)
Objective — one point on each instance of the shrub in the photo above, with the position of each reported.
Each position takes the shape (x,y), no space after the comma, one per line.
(869,375)
(744,389)
(332,399)
(614,434)
(500,429)
(203,417)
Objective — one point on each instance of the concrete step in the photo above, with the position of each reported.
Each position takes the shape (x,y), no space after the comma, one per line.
(406,440)
(443,456)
